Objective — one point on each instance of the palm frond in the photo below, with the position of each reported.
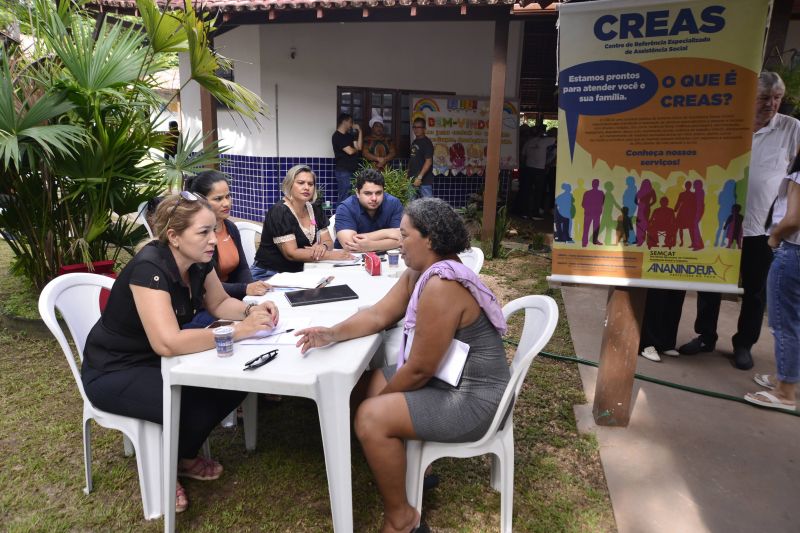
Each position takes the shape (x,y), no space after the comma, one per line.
(164,30)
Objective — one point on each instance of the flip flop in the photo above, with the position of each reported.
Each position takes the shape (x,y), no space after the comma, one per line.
(765,381)
(767,399)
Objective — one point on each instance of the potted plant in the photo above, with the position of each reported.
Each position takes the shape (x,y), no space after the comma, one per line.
(789,71)
(78,127)
(396,181)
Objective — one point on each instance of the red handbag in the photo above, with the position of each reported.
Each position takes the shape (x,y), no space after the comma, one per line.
(372,263)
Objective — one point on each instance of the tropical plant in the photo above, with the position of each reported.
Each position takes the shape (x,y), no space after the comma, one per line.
(78,128)
(396,181)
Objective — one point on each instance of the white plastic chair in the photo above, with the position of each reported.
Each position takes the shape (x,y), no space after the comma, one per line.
(541,316)
(472,258)
(332,227)
(76,296)
(248,232)
(141,218)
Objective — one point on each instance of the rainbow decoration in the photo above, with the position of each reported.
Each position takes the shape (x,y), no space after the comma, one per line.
(509,108)
(426,104)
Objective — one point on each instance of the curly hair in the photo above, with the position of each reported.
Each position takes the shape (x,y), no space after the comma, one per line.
(369,175)
(437,220)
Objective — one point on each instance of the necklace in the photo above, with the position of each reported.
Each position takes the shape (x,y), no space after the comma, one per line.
(310,231)
(223,230)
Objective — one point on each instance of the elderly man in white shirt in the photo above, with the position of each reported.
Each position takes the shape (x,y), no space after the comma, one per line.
(776,139)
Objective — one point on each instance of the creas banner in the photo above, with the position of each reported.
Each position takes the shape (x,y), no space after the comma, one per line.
(458,127)
(657,100)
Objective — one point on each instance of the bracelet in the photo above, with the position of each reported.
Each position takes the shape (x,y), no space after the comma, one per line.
(249,307)
(325,244)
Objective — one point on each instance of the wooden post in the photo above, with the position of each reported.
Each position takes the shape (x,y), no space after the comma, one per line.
(618,356)
(208,113)
(778,29)
(496,97)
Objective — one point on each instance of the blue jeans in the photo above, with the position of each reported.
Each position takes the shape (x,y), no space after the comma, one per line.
(260,273)
(344,185)
(202,319)
(426,191)
(783,302)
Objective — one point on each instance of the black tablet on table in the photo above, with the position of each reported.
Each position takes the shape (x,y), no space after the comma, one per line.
(323,295)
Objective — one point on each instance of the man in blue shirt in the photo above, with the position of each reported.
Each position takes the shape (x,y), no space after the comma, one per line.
(370,220)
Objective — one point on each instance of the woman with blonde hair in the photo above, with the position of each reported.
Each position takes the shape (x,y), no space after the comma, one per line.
(295,230)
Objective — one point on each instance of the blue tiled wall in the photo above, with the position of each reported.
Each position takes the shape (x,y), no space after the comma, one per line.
(256,182)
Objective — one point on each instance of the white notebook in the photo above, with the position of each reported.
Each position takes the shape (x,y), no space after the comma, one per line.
(297,280)
(452,365)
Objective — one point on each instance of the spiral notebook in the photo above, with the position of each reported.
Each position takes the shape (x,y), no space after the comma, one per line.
(323,295)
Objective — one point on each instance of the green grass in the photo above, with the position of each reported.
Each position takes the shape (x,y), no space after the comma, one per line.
(559,484)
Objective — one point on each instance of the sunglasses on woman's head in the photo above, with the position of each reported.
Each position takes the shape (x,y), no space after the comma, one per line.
(184,195)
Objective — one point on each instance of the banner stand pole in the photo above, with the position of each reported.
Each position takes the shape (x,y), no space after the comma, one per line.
(618,356)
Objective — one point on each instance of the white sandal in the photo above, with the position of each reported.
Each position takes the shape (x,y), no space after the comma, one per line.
(765,380)
(767,399)
(651,354)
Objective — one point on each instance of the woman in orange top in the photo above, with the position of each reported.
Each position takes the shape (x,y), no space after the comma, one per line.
(229,260)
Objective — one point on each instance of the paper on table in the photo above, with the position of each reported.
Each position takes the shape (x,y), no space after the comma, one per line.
(356,261)
(453,362)
(299,280)
(280,334)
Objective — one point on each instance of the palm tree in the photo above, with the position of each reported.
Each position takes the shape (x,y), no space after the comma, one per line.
(77,129)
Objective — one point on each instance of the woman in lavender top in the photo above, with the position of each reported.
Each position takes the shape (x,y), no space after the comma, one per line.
(441,300)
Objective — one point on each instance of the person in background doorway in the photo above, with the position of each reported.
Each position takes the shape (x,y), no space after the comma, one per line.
(550,170)
(534,167)
(378,147)
(346,141)
(420,162)
(171,144)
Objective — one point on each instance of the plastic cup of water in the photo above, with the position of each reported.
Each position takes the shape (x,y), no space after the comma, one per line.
(394,258)
(223,337)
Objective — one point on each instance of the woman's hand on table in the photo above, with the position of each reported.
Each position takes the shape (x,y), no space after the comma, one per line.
(317,251)
(258,288)
(262,316)
(314,338)
(343,255)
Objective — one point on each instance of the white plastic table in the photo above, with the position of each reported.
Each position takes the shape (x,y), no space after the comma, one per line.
(386,270)
(325,375)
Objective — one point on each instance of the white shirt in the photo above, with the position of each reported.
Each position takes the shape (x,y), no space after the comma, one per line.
(780,206)
(774,148)
(535,151)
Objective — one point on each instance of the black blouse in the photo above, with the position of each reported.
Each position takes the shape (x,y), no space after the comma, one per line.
(281,225)
(118,339)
